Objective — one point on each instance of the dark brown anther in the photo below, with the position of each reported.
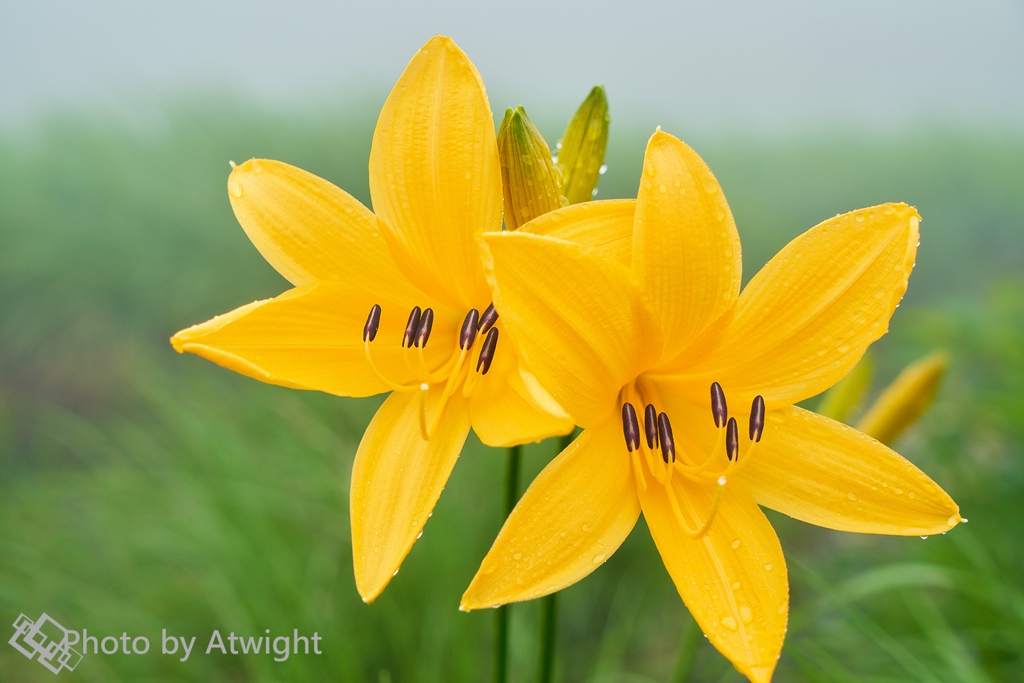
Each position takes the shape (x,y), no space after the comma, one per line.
(487,351)
(426,323)
(732,440)
(757,419)
(651,426)
(488,318)
(372,323)
(630,427)
(718,407)
(411,327)
(668,444)
(469,325)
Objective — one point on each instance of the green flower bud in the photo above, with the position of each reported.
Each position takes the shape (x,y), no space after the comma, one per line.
(838,401)
(531,181)
(905,399)
(581,149)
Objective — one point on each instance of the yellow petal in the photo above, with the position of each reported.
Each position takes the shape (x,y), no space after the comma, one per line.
(397,478)
(823,472)
(578,321)
(686,251)
(310,337)
(575,514)
(504,410)
(434,174)
(733,580)
(604,227)
(806,319)
(905,399)
(310,230)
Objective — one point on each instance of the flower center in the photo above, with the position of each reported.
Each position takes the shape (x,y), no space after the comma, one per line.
(417,333)
(659,440)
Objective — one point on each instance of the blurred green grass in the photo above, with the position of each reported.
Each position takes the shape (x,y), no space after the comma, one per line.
(142,490)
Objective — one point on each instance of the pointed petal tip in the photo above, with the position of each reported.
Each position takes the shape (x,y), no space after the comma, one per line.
(660,137)
(178,343)
(368,594)
(471,598)
(759,674)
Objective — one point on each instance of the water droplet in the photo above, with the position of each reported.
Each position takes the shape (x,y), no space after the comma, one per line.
(851,496)
(235,189)
(924,538)
(594,193)
(419,534)
(586,526)
(598,559)
(517,556)
(859,218)
(911,494)
(737,543)
(899,492)
(745,614)
(736,586)
(768,567)
(603,169)
(257,167)
(662,189)
(729,623)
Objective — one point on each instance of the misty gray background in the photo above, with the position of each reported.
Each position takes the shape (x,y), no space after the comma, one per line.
(714,66)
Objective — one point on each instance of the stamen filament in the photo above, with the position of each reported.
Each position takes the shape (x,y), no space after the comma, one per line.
(703,530)
(447,392)
(442,372)
(467,386)
(380,376)
(638,470)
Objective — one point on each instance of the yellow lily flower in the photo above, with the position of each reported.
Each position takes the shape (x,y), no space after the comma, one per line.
(415,267)
(639,318)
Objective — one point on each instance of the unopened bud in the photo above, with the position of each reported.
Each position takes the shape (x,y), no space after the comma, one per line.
(581,149)
(838,401)
(531,180)
(905,399)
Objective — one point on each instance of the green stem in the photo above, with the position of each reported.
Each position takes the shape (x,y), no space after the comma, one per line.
(687,652)
(501,615)
(546,660)
(549,613)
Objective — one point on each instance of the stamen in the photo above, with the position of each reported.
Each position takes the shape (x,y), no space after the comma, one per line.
(373,366)
(706,526)
(426,323)
(651,425)
(469,325)
(718,407)
(630,427)
(489,317)
(372,323)
(732,440)
(453,381)
(411,327)
(668,444)
(757,419)
(487,351)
